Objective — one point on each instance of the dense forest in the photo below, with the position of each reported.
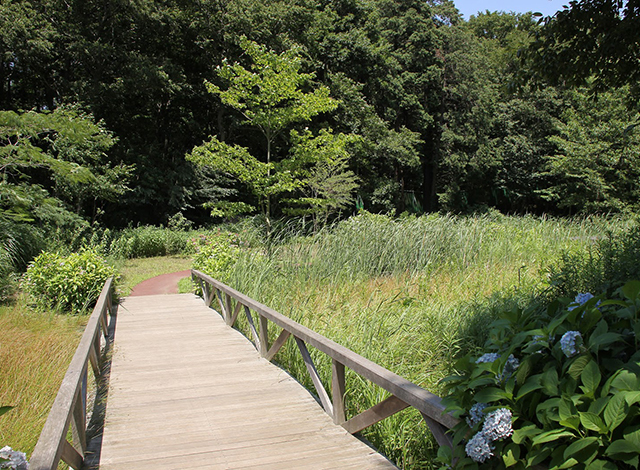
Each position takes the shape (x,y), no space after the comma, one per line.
(100,102)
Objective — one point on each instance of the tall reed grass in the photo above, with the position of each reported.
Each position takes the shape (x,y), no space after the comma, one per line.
(409,294)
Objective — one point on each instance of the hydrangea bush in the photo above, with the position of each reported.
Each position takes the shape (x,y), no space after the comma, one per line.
(556,388)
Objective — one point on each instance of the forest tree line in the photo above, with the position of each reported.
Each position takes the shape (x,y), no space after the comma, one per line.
(100,101)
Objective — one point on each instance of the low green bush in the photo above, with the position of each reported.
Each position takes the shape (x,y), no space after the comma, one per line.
(69,284)
(556,388)
(607,264)
(215,254)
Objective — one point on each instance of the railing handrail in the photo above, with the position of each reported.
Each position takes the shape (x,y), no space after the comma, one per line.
(406,391)
(69,407)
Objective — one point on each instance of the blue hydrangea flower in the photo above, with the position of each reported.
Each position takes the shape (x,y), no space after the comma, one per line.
(488,357)
(581,299)
(537,338)
(15,460)
(479,448)
(497,425)
(509,368)
(476,414)
(570,343)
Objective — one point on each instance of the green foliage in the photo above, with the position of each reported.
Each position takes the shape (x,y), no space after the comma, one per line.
(596,167)
(607,263)
(328,184)
(567,377)
(586,40)
(69,284)
(140,242)
(216,254)
(270,95)
(63,150)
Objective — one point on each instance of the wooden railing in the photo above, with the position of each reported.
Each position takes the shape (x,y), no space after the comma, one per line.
(403,392)
(70,406)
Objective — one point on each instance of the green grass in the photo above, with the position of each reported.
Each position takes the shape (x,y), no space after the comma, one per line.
(410,295)
(35,351)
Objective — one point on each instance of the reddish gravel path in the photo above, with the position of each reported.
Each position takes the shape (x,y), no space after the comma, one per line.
(164,284)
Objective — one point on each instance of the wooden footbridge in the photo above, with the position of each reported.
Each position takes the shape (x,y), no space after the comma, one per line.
(182,389)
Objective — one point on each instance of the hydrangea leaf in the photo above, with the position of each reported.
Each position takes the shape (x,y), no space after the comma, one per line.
(601,465)
(519,435)
(551,436)
(597,342)
(593,422)
(490,395)
(578,365)
(631,290)
(618,448)
(626,380)
(532,384)
(511,455)
(582,450)
(633,435)
(591,378)
(616,411)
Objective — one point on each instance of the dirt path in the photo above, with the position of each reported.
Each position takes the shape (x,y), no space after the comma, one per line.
(163,284)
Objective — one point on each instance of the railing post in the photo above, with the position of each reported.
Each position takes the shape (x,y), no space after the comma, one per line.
(338,387)
(264,335)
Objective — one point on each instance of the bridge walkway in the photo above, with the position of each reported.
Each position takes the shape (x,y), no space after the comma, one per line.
(188,391)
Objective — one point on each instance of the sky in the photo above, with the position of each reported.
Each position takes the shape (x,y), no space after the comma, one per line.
(546,7)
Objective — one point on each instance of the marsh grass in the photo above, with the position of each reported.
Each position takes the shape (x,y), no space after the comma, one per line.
(35,351)
(408,294)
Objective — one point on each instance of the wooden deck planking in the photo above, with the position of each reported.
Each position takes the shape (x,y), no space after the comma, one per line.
(187,391)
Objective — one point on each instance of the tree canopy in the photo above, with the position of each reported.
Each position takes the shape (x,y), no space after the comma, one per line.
(430,96)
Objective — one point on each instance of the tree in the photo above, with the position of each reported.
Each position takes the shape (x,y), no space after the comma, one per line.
(590,42)
(51,158)
(322,162)
(271,96)
(597,165)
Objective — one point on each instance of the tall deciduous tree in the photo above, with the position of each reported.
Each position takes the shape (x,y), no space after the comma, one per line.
(597,165)
(271,96)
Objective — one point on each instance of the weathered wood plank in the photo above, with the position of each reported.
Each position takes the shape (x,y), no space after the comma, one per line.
(52,444)
(264,336)
(277,344)
(256,338)
(315,377)
(376,413)
(236,312)
(338,391)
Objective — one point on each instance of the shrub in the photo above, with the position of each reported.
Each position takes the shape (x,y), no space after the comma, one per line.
(67,284)
(557,388)
(605,266)
(215,254)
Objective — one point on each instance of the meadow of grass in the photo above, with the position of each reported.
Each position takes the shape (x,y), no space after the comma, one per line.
(35,351)
(409,294)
